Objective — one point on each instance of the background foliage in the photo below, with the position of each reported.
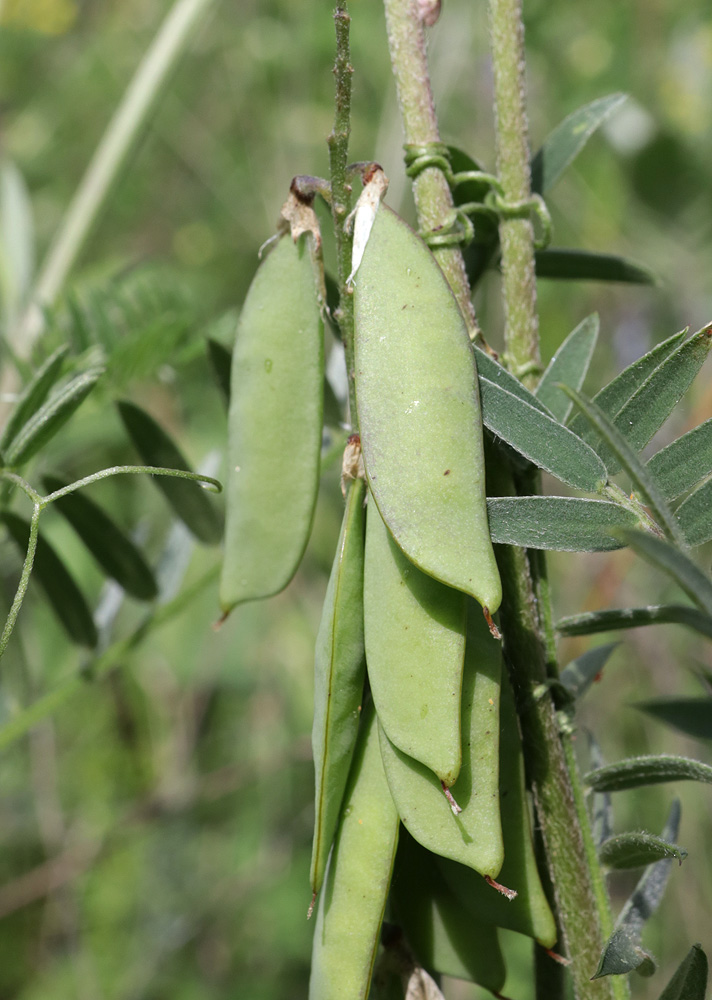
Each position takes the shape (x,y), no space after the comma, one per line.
(155,834)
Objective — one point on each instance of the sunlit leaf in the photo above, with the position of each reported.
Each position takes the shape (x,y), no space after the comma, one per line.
(566,524)
(569,365)
(692,716)
(689,981)
(578,676)
(675,563)
(634,850)
(647,770)
(592,622)
(684,463)
(493,371)
(695,515)
(585,265)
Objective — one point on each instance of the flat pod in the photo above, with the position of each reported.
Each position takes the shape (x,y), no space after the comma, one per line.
(339,669)
(415,648)
(274,425)
(474,836)
(419,414)
(358,878)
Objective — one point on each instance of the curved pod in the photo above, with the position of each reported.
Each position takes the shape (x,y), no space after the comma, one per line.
(419,413)
(274,425)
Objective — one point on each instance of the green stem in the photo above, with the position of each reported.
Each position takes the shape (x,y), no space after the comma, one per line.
(24,579)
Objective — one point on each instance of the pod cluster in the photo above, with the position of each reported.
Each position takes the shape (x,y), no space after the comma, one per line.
(420,804)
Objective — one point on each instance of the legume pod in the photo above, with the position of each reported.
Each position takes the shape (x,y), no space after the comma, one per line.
(419,414)
(358,877)
(274,425)
(415,647)
(474,836)
(339,669)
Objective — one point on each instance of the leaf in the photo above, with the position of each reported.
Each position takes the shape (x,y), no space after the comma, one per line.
(63,594)
(33,395)
(111,547)
(568,524)
(578,676)
(492,370)
(622,952)
(593,622)
(569,365)
(51,416)
(684,463)
(220,362)
(17,243)
(634,850)
(601,802)
(692,716)
(647,770)
(541,439)
(695,515)
(187,499)
(689,981)
(585,265)
(676,564)
(568,139)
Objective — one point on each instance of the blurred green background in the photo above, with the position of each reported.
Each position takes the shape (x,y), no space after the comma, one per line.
(155,833)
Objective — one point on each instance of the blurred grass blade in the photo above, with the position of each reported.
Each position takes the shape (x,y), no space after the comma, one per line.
(569,365)
(585,265)
(33,395)
(635,850)
(647,770)
(187,499)
(676,564)
(52,416)
(17,243)
(695,515)
(689,981)
(221,362)
(684,463)
(628,459)
(568,139)
(592,622)
(578,676)
(691,716)
(492,370)
(62,592)
(622,952)
(111,547)
(565,524)
(540,438)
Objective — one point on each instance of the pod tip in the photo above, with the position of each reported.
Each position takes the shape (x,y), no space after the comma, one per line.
(510,894)
(494,631)
(311,907)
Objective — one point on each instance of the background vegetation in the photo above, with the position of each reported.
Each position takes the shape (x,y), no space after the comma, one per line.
(155,832)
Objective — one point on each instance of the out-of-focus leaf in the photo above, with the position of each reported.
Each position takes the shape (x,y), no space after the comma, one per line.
(601,802)
(492,370)
(51,416)
(578,676)
(592,622)
(17,242)
(220,362)
(684,463)
(585,265)
(111,547)
(569,365)
(675,563)
(695,515)
(647,770)
(689,981)
(622,952)
(188,500)
(541,439)
(566,524)
(568,139)
(635,850)
(63,594)
(33,395)
(692,716)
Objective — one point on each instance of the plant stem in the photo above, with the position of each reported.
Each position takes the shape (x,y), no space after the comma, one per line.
(338,143)
(433,198)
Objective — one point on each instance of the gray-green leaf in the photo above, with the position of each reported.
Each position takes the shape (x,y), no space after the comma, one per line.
(578,676)
(661,554)
(689,981)
(695,515)
(684,463)
(647,770)
(33,395)
(692,716)
(567,524)
(634,850)
(585,265)
(569,365)
(592,622)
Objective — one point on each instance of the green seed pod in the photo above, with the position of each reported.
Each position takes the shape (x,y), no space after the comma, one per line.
(439,928)
(339,669)
(358,877)
(529,912)
(419,413)
(473,835)
(274,424)
(415,647)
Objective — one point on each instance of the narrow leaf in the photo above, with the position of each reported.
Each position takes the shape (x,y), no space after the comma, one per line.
(63,594)
(492,370)
(188,500)
(33,396)
(695,515)
(634,850)
(109,545)
(569,365)
(578,676)
(692,716)
(51,416)
(684,463)
(689,981)
(593,622)
(221,362)
(568,139)
(676,564)
(647,770)
(585,265)
(541,439)
(568,524)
